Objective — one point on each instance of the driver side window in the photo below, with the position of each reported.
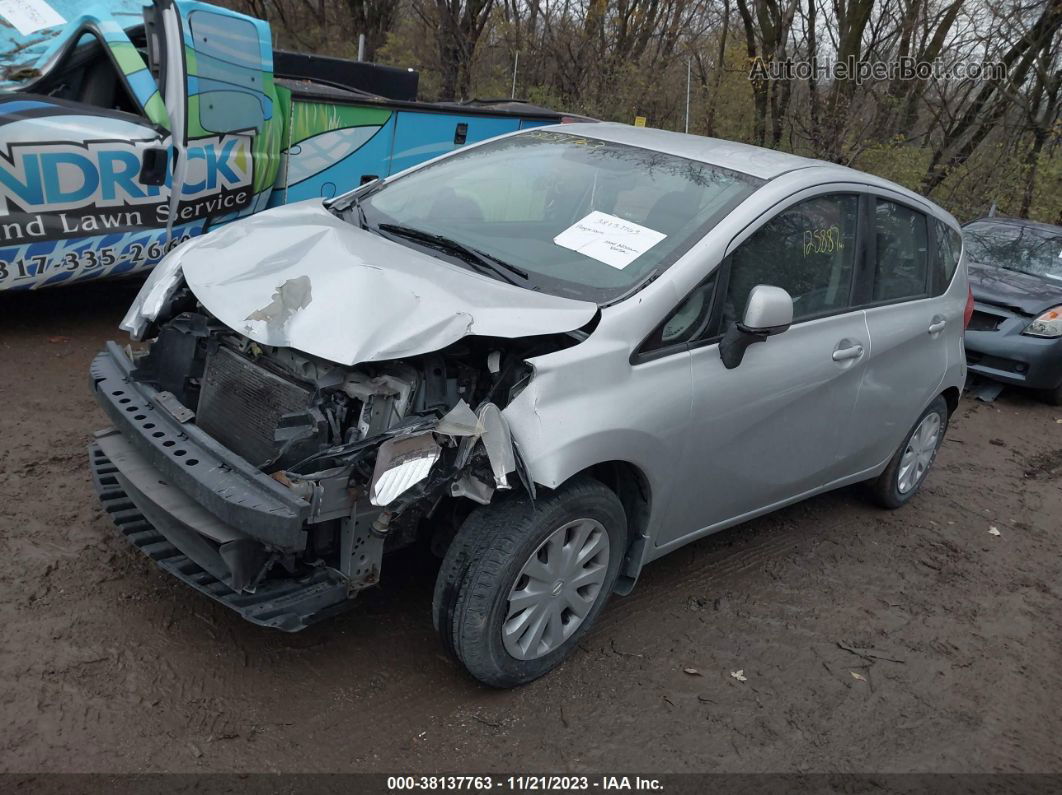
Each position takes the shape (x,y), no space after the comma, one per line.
(809,250)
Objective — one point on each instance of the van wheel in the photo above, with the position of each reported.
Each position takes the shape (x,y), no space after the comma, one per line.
(1053,396)
(908,468)
(522,582)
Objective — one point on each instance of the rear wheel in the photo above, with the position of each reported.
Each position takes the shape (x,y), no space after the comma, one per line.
(521,583)
(908,468)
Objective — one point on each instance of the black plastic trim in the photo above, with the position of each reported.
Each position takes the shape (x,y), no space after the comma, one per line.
(222,482)
(286,604)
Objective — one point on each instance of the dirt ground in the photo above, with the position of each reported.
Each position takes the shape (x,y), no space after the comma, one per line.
(109,665)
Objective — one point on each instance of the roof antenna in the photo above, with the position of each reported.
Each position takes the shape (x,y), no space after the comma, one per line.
(992,210)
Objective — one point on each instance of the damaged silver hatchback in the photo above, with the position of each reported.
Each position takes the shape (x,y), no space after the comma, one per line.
(553,357)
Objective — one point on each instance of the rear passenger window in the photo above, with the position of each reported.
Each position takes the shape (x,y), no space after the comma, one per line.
(902,252)
(808,250)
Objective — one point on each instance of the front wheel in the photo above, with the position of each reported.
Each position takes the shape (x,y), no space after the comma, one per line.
(521,583)
(908,468)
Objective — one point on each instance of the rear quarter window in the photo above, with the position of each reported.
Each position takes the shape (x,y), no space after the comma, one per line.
(947,248)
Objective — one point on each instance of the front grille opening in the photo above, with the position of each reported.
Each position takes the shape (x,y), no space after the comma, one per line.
(983,321)
(240,404)
(997,363)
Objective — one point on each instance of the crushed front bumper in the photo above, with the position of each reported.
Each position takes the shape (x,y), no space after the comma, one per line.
(997,349)
(232,489)
(286,604)
(198,510)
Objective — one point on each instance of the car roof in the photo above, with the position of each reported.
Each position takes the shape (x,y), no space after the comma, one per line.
(1002,219)
(756,161)
(753,160)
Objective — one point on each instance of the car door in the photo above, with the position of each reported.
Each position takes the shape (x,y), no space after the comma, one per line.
(774,428)
(908,327)
(225,111)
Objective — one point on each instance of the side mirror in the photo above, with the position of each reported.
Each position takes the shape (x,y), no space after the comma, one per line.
(769,311)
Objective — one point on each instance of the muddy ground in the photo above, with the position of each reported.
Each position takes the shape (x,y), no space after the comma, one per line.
(107,664)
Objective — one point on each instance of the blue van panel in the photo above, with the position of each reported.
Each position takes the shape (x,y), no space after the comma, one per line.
(420,136)
(369,159)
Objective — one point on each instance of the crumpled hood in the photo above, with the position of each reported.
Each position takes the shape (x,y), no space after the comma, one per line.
(1030,295)
(300,277)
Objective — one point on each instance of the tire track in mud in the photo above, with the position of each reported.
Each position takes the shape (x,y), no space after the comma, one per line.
(714,570)
(1037,602)
(413,706)
(719,562)
(724,567)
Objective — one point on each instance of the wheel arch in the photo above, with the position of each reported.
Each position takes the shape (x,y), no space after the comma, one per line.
(631,486)
(951,396)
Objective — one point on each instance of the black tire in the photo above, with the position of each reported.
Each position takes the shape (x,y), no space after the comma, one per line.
(482,564)
(885,489)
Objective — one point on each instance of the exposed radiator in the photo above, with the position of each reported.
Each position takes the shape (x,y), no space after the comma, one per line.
(240,404)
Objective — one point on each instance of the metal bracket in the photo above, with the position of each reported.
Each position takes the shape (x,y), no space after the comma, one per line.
(168,402)
(473,488)
(360,551)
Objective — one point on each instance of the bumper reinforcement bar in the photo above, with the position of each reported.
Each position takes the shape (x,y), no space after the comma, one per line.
(286,604)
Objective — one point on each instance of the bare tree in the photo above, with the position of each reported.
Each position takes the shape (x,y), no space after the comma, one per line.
(456,26)
(767,25)
(993,98)
(962,141)
(374,19)
(1042,114)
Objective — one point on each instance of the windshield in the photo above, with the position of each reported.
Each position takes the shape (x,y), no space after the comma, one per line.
(569,215)
(1027,249)
(31,33)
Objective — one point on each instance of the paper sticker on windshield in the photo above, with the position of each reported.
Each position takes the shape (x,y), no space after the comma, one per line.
(609,239)
(29,16)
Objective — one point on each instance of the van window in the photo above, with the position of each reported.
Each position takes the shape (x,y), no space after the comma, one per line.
(902,248)
(229,72)
(808,250)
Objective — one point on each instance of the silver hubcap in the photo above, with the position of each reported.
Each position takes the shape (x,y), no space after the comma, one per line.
(919,453)
(555,589)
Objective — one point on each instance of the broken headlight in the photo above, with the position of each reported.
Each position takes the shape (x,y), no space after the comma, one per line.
(1049,324)
(157,291)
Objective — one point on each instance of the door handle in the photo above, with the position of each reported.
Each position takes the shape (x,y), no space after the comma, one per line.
(937,326)
(844,354)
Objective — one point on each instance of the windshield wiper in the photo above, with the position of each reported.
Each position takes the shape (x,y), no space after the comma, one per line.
(472,256)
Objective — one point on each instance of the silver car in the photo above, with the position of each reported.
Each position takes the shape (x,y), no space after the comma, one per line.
(552,357)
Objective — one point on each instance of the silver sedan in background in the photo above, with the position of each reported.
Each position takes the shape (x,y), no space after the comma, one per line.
(553,357)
